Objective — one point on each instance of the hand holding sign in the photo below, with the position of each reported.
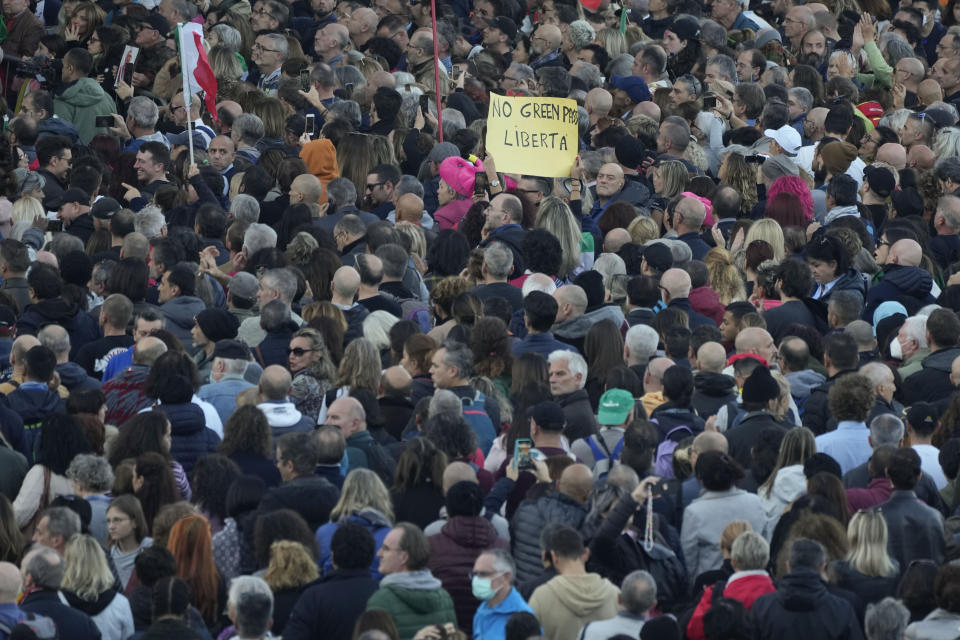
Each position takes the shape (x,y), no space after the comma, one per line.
(533,136)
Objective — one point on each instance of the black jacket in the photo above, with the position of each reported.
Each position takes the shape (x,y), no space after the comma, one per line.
(668,417)
(696,319)
(868,588)
(75,378)
(33,406)
(72,624)
(802,608)
(191,439)
(581,420)
(333,604)
(79,325)
(910,286)
(744,435)
(712,391)
(915,530)
(932,382)
(311,497)
(528,521)
(816,412)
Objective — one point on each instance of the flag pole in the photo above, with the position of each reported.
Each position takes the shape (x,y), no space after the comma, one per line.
(187,97)
(436,69)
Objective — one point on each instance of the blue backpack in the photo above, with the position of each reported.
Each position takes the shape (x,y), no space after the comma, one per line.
(475,413)
(663,463)
(603,458)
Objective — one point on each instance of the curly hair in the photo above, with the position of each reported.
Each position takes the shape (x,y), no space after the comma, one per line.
(360,366)
(451,434)
(159,487)
(291,566)
(445,291)
(542,251)
(491,348)
(247,431)
(742,177)
(447,254)
(724,277)
(851,398)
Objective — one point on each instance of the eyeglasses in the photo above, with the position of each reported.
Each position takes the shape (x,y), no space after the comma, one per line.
(257,46)
(371,187)
(262,12)
(299,351)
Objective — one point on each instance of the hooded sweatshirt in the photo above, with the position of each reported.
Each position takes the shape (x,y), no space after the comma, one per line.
(80,103)
(414,599)
(712,391)
(320,156)
(180,314)
(283,417)
(909,286)
(790,483)
(802,383)
(567,602)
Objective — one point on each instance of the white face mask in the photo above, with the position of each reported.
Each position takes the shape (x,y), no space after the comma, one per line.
(896,352)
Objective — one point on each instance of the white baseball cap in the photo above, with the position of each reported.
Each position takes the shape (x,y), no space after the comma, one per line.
(787,137)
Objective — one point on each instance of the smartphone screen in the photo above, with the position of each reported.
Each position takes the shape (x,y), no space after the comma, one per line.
(424,103)
(480,184)
(309,129)
(305,81)
(103,121)
(710,102)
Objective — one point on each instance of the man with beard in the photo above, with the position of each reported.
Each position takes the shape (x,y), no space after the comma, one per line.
(813,47)
(545,45)
(378,197)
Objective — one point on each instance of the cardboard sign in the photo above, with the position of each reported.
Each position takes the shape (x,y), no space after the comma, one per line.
(533,136)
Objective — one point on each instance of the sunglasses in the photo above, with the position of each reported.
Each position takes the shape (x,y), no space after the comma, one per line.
(299,352)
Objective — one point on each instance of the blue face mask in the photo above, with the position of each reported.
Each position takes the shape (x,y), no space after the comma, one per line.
(482,588)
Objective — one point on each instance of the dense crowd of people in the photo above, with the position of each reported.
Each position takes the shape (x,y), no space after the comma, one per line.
(297,360)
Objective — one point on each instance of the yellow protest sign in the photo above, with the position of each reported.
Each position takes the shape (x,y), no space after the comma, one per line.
(533,136)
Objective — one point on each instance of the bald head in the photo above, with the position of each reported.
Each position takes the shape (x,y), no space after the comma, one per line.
(458,472)
(275,383)
(571,300)
(710,441)
(711,356)
(929,91)
(598,103)
(551,34)
(347,414)
(576,481)
(689,215)
(148,350)
(363,20)
(305,188)
(409,208)
(55,338)
(676,282)
(9,582)
(615,240)
(920,156)
(906,252)
(395,382)
(893,154)
(231,107)
(381,79)
(653,377)
(47,257)
(346,283)
(20,347)
(753,340)
(649,109)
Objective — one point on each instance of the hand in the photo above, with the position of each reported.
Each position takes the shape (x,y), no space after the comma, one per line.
(812,229)
(239,261)
(323,209)
(435,632)
(541,470)
(711,424)
(724,107)
(643,489)
(419,121)
(312,96)
(899,95)
(513,472)
(194,170)
(576,171)
(131,193)
(856,43)
(140,80)
(208,259)
(419,264)
(490,166)
(120,129)
(71,33)
(867,28)
(431,120)
(99,78)
(718,238)
(738,241)
(304,139)
(954,279)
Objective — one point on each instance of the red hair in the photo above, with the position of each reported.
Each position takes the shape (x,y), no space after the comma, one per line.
(192,548)
(786,209)
(798,187)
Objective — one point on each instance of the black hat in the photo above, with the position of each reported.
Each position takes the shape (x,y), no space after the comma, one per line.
(923,413)
(231,350)
(548,415)
(218,324)
(73,194)
(907,202)
(156,21)
(629,152)
(76,268)
(658,256)
(104,208)
(760,387)
(464,499)
(8,319)
(881,180)
(686,28)
(505,24)
(592,284)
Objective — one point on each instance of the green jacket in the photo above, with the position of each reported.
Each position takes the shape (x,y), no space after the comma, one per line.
(913,364)
(80,103)
(414,600)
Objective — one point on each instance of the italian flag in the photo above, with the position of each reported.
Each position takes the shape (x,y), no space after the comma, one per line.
(195,67)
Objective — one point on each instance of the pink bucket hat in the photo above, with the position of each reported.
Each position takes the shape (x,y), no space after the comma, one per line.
(708,220)
(460,174)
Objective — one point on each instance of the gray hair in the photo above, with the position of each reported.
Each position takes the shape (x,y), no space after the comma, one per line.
(409,184)
(249,127)
(150,221)
(64,243)
(453,121)
(589,74)
(252,602)
(498,259)
(947,142)
(55,338)
(750,551)
(642,341)
(726,65)
(803,96)
(62,521)
(445,401)
(274,316)
(186,9)
(575,363)
(886,430)
(609,265)
(459,355)
(228,36)
(777,75)
(233,365)
(143,111)
(522,71)
(581,33)
(916,328)
(283,281)
(245,209)
(348,110)
(638,592)
(259,236)
(503,561)
(897,48)
(91,472)
(693,85)
(714,35)
(622,65)
(886,620)
(46,567)
(895,120)
(343,191)
(279,42)
(844,53)
(348,73)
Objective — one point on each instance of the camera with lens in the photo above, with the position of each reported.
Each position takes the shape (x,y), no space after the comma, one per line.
(45,70)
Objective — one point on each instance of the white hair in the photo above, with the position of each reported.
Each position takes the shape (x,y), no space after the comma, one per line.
(150,221)
(609,265)
(642,341)
(575,363)
(916,328)
(259,236)
(532,285)
(895,120)
(376,328)
(245,209)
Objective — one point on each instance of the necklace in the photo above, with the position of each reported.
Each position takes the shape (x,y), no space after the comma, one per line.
(648,527)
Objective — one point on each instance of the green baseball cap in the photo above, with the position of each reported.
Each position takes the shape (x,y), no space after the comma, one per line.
(615,406)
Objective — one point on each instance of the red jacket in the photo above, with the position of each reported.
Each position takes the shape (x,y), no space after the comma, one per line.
(745,589)
(877,492)
(706,301)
